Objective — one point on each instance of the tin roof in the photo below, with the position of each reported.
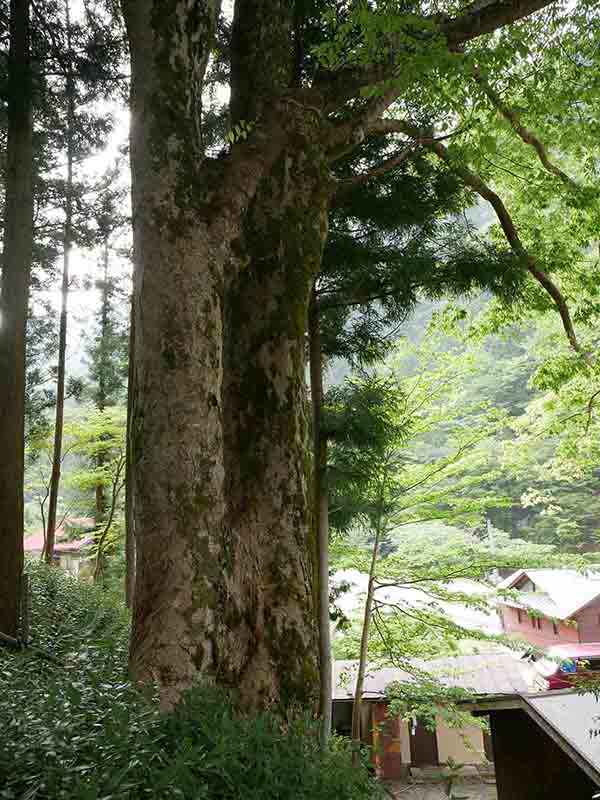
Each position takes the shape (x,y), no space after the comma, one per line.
(497,672)
(559,593)
(35,542)
(570,719)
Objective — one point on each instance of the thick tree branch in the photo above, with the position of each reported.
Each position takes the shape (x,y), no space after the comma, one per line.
(381,169)
(524,133)
(506,222)
(476,20)
(345,136)
(479,19)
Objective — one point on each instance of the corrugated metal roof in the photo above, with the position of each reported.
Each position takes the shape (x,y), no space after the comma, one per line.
(538,601)
(417,597)
(566,589)
(35,542)
(576,717)
(495,673)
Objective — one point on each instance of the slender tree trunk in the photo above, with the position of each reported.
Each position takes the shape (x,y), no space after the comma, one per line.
(321,513)
(62,337)
(364,638)
(101,394)
(129,511)
(115,493)
(16,268)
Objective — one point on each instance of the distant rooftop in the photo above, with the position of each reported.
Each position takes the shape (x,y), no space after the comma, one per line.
(497,672)
(66,541)
(469,617)
(559,593)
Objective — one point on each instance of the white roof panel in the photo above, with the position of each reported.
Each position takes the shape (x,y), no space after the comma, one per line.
(575,717)
(566,589)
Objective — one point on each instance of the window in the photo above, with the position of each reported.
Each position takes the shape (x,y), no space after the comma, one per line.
(539,624)
(533,621)
(519,620)
(555,628)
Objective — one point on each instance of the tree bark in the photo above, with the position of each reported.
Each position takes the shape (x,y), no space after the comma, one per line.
(225,256)
(266,440)
(62,336)
(16,269)
(176,417)
(129,515)
(321,513)
(364,638)
(102,394)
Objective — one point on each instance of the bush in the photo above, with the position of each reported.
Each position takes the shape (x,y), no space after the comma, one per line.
(73,727)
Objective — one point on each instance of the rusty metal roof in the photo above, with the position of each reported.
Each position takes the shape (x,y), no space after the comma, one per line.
(496,672)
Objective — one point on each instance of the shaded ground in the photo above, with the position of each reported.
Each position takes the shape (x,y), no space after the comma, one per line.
(432,784)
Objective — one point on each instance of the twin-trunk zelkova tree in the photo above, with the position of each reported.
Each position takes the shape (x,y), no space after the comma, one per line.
(227,250)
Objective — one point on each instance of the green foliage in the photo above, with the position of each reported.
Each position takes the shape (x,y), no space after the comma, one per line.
(73,727)
(93,455)
(409,445)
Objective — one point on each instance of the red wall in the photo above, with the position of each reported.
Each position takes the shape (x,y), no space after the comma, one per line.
(387,750)
(588,621)
(543,635)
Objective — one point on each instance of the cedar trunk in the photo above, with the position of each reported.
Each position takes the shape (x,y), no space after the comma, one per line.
(321,513)
(62,335)
(16,268)
(129,516)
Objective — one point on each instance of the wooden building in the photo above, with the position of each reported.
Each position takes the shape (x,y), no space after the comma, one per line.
(546,745)
(399,744)
(551,606)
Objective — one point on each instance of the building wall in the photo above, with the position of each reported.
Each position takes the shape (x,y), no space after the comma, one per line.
(465,746)
(588,622)
(391,744)
(538,630)
(529,765)
(70,562)
(387,744)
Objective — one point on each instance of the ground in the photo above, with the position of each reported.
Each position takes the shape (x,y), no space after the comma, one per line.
(430,784)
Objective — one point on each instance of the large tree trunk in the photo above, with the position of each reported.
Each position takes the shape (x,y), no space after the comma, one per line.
(271,565)
(62,335)
(16,268)
(176,424)
(225,255)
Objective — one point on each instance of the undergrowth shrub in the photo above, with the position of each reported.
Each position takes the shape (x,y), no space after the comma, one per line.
(71,726)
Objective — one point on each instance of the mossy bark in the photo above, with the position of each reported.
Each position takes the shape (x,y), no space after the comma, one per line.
(225,253)
(271,566)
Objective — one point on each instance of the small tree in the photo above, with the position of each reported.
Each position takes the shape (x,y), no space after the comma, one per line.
(390,468)
(94,448)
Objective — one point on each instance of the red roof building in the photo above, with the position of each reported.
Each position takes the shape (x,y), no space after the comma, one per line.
(548,607)
(73,538)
